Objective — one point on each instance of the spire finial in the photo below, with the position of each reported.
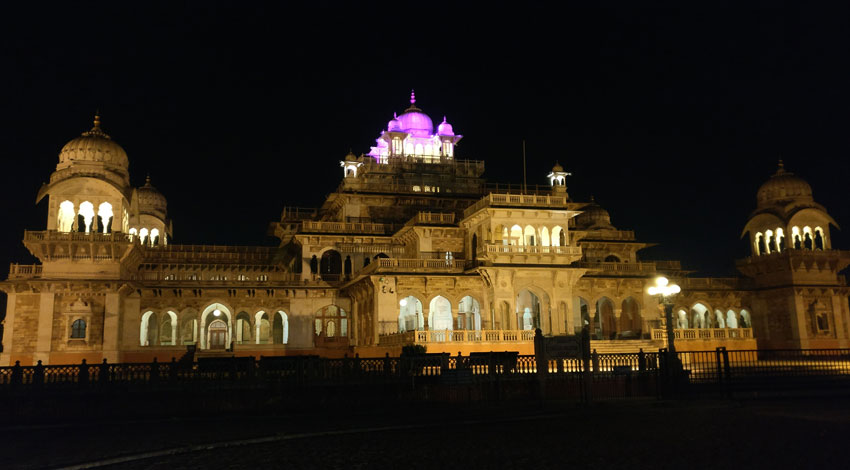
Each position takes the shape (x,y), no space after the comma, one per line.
(97,119)
(444,118)
(592,199)
(148,180)
(780,167)
(412,97)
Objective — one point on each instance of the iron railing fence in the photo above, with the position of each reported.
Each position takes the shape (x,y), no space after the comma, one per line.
(600,375)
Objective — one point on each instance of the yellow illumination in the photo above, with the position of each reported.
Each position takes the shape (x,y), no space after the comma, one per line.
(661,281)
(403,302)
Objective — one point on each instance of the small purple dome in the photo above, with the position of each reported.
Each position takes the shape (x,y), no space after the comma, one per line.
(394,124)
(445,128)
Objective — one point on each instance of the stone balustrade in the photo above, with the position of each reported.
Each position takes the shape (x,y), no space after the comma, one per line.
(24,271)
(413,265)
(521,200)
(309,226)
(619,268)
(53,235)
(441,218)
(456,336)
(511,249)
(685,334)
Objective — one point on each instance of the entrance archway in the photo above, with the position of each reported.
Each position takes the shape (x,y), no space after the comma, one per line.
(218,334)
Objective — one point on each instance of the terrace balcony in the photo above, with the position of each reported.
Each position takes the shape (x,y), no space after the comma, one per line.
(459,337)
(529,254)
(550,201)
(690,334)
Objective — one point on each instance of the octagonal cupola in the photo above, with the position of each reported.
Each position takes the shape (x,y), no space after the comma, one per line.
(787,216)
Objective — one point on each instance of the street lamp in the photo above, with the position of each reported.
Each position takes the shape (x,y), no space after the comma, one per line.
(665,290)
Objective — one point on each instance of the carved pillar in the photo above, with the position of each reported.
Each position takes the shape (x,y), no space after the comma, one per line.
(617,323)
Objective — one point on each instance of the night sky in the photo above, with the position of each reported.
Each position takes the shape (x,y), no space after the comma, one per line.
(670,118)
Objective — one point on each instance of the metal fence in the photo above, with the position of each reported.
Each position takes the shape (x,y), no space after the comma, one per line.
(601,376)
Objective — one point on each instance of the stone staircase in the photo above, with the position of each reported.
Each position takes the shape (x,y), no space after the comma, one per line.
(625,346)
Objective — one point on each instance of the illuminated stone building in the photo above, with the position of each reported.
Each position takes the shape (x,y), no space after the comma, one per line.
(413,247)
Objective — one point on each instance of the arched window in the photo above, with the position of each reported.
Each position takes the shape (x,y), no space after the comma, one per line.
(331,265)
(243,328)
(528,310)
(731,319)
(796,238)
(87,214)
(746,321)
(66,216)
(469,314)
(698,316)
(612,259)
(808,239)
(281,328)
(133,233)
(168,329)
(331,315)
(410,314)
(544,237)
(820,239)
(148,329)
(682,319)
(154,237)
(314,265)
(516,235)
(780,240)
(104,214)
(530,237)
(769,241)
(719,320)
(262,328)
(143,236)
(78,329)
(440,314)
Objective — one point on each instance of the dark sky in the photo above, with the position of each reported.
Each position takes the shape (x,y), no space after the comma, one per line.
(671,118)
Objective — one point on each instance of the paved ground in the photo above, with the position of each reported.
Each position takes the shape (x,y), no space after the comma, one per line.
(799,433)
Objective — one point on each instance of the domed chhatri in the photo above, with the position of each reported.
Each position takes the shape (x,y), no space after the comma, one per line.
(445,128)
(151,200)
(411,134)
(394,124)
(593,217)
(784,187)
(93,146)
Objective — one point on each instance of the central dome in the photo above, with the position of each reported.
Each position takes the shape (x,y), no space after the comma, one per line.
(784,187)
(94,146)
(414,121)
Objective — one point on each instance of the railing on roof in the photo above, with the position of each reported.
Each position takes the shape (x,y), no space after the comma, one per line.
(522,200)
(53,235)
(609,235)
(24,271)
(413,265)
(456,336)
(425,218)
(619,268)
(511,249)
(686,334)
(345,227)
(299,213)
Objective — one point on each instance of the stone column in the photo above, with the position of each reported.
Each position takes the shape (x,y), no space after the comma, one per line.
(617,325)
(8,330)
(44,336)
(112,326)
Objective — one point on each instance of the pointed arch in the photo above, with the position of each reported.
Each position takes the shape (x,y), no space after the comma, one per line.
(440,314)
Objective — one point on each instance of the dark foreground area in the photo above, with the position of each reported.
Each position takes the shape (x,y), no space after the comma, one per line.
(786,433)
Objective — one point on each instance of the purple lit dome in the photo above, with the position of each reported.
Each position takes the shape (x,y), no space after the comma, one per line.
(414,121)
(394,124)
(445,128)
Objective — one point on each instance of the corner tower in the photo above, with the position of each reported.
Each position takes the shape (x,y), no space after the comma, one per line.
(795,269)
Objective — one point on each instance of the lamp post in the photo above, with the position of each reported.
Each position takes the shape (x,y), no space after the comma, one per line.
(665,291)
